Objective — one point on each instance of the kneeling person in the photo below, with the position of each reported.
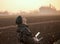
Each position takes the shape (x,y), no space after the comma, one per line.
(23,30)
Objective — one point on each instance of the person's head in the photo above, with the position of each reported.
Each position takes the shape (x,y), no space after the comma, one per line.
(20,20)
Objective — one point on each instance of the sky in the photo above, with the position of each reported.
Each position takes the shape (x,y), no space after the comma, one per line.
(26,5)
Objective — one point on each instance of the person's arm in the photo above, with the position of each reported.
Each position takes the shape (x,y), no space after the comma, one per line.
(18,30)
(28,32)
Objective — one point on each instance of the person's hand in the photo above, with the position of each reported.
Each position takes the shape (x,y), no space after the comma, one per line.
(36,39)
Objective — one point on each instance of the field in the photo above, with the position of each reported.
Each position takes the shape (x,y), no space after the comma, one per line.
(49,24)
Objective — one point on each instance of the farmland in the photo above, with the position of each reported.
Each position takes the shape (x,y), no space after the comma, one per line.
(9,35)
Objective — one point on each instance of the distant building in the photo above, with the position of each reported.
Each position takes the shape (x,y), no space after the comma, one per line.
(48,10)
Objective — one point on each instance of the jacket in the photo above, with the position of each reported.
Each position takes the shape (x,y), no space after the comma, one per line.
(23,32)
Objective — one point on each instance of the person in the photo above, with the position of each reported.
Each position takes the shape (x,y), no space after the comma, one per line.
(23,31)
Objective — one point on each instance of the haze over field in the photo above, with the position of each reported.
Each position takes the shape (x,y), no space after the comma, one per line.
(26,5)
(29,7)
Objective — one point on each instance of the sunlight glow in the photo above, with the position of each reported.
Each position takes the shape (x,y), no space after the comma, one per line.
(26,5)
